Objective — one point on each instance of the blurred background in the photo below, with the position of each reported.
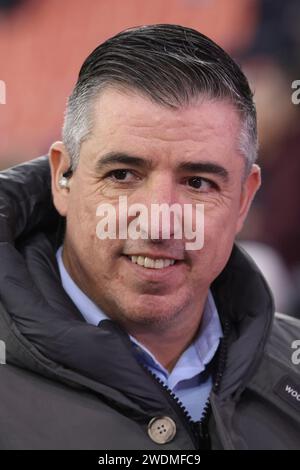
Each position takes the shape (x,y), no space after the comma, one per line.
(44,42)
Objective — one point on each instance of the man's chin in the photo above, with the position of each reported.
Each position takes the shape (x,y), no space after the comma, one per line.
(152,310)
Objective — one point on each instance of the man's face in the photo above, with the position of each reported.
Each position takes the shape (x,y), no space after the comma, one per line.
(167,143)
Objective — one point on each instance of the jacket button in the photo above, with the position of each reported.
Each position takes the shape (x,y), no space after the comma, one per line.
(161,430)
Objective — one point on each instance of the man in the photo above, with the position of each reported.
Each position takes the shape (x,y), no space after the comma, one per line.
(137,342)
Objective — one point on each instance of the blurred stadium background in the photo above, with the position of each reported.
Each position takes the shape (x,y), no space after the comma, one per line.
(44,42)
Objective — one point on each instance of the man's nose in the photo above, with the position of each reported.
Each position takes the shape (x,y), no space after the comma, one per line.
(161,189)
(160,198)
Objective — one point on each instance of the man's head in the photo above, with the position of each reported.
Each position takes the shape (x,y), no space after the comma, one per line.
(160,114)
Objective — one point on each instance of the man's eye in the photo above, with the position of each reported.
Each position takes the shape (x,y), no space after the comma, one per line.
(120,175)
(202,184)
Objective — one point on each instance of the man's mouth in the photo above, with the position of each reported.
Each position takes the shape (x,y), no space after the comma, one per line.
(151,263)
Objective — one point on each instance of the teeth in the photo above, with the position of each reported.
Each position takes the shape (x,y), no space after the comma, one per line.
(159,264)
(141,260)
(147,262)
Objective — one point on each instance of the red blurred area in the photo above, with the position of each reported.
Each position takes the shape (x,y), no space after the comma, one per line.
(43,43)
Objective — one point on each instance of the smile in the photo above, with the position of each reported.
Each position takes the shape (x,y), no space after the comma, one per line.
(151,263)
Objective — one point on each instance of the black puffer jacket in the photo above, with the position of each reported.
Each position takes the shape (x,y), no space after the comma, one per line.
(70,385)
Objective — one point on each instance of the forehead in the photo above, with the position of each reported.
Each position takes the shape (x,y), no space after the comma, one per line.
(128,121)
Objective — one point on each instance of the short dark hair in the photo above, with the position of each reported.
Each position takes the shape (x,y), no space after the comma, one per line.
(172,65)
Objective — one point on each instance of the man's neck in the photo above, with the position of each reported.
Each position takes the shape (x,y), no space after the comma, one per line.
(167,344)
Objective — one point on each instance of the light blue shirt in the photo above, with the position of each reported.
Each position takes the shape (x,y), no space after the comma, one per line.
(187,379)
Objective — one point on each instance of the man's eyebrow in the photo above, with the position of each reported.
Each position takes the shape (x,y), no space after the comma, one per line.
(127,159)
(123,158)
(205,167)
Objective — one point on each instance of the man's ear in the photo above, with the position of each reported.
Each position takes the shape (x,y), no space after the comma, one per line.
(60,163)
(249,189)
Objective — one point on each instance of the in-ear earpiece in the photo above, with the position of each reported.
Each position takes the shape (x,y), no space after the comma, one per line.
(64,179)
(64,182)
